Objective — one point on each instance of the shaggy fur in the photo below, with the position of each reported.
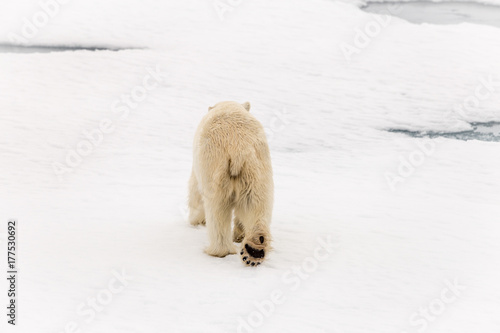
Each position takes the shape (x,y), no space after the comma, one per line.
(232,171)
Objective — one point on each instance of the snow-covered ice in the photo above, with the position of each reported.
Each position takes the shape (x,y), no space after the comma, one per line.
(410,224)
(440,12)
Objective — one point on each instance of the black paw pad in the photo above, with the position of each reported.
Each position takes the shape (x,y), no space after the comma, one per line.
(244,258)
(254,252)
(248,262)
(241,252)
(261,238)
(253,264)
(258,263)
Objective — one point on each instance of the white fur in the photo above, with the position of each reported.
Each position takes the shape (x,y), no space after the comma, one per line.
(231,171)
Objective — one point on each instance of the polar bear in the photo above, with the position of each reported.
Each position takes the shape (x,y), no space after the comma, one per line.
(232,171)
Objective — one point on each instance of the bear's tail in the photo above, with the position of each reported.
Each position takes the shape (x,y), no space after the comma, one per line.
(236,163)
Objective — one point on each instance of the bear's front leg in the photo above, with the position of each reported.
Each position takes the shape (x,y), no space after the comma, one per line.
(238,231)
(195,203)
(218,216)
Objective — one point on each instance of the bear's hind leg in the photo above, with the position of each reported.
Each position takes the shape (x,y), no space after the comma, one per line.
(218,216)
(196,210)
(257,239)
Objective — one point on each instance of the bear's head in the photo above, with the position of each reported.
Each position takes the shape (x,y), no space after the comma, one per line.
(245,105)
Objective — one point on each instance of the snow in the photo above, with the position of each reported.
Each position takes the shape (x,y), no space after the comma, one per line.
(440,13)
(406,217)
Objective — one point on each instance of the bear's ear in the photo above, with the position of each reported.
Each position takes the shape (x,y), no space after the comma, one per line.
(246,105)
(210,108)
